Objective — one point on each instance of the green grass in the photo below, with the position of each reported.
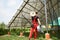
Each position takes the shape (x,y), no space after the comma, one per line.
(15,35)
(12,37)
(16,38)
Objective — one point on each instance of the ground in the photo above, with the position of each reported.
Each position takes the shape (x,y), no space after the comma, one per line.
(6,37)
(12,37)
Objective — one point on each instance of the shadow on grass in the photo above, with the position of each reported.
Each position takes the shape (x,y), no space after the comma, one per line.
(39,35)
(54,36)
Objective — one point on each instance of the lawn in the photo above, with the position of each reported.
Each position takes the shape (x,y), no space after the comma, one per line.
(11,37)
(15,37)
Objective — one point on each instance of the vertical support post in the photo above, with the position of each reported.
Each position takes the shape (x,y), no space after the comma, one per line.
(46,14)
(47,35)
(58,21)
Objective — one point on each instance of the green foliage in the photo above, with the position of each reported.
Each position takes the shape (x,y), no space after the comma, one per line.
(2,25)
(15,31)
(3,31)
(12,31)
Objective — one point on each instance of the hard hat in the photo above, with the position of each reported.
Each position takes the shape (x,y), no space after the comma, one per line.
(32,13)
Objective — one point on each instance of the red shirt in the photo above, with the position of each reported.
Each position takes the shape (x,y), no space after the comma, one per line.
(34,20)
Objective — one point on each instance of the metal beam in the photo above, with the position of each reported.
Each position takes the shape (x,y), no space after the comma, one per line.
(18,13)
(25,12)
(26,19)
(19,17)
(58,14)
(36,8)
(50,13)
(54,14)
(43,6)
(32,6)
(41,2)
(53,10)
(28,8)
(58,7)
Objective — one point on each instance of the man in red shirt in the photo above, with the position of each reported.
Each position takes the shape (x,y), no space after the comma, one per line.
(35,23)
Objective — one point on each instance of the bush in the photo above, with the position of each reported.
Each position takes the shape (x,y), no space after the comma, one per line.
(12,31)
(15,31)
(3,31)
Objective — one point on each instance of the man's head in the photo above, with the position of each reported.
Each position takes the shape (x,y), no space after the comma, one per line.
(33,13)
(36,12)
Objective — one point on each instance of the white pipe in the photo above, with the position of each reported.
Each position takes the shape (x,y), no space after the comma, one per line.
(46,14)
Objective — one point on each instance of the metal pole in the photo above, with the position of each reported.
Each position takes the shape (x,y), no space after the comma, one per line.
(46,14)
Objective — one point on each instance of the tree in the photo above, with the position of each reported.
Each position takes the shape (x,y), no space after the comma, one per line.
(2,25)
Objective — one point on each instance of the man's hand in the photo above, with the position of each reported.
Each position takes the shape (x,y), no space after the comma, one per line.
(40,25)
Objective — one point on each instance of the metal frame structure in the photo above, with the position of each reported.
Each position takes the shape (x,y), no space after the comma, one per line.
(22,14)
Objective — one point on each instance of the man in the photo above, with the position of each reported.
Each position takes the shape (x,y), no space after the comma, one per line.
(35,23)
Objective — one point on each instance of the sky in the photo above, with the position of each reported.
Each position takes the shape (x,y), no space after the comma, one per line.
(8,8)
